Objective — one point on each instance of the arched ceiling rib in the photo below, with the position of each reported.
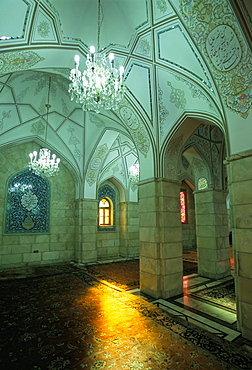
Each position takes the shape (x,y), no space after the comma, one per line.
(169,71)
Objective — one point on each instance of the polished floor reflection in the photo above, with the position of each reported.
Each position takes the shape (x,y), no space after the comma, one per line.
(63,318)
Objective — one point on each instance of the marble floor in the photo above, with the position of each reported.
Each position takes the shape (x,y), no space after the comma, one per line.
(209,316)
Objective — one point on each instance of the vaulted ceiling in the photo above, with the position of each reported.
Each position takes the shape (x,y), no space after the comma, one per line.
(174,69)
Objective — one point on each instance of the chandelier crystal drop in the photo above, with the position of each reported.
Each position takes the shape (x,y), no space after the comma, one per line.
(101,85)
(44,165)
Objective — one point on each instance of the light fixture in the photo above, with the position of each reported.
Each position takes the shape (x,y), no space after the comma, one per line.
(101,85)
(44,165)
(134,172)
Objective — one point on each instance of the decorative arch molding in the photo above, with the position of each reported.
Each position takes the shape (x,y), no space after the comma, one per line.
(208,141)
(171,158)
(200,168)
(172,147)
(118,187)
(136,127)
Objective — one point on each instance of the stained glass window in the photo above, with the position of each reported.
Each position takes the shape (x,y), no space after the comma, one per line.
(105,214)
(183,210)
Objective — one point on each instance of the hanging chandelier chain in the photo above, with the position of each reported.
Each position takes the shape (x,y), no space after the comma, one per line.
(99,25)
(48,106)
(44,164)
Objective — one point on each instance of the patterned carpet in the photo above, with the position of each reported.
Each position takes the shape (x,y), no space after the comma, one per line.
(69,320)
(223,294)
(125,275)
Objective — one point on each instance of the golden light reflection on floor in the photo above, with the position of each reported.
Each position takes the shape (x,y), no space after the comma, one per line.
(118,326)
(123,333)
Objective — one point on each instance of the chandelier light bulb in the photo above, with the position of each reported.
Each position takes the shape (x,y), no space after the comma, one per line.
(92,49)
(77,59)
(111,56)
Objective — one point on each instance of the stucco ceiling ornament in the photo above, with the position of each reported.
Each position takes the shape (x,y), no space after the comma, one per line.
(96,163)
(171,158)
(213,27)
(22,60)
(4,116)
(136,128)
(73,140)
(38,128)
(196,91)
(200,172)
(163,112)
(43,29)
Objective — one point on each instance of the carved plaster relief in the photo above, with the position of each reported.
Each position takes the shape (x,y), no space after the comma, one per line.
(43,29)
(177,97)
(137,129)
(162,6)
(4,116)
(200,173)
(38,128)
(208,141)
(11,62)
(144,47)
(171,158)
(163,112)
(94,118)
(196,92)
(96,163)
(213,26)
(223,48)
(73,140)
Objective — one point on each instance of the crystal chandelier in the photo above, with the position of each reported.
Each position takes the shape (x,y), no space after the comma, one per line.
(134,173)
(101,85)
(44,164)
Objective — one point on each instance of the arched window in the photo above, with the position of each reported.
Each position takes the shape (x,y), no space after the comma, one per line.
(106,208)
(105,212)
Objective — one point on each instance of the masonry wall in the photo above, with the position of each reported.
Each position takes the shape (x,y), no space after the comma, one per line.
(94,245)
(58,245)
(129,229)
(240,183)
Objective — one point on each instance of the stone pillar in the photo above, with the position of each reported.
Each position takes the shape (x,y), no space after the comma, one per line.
(78,226)
(161,264)
(86,228)
(212,233)
(240,185)
(129,229)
